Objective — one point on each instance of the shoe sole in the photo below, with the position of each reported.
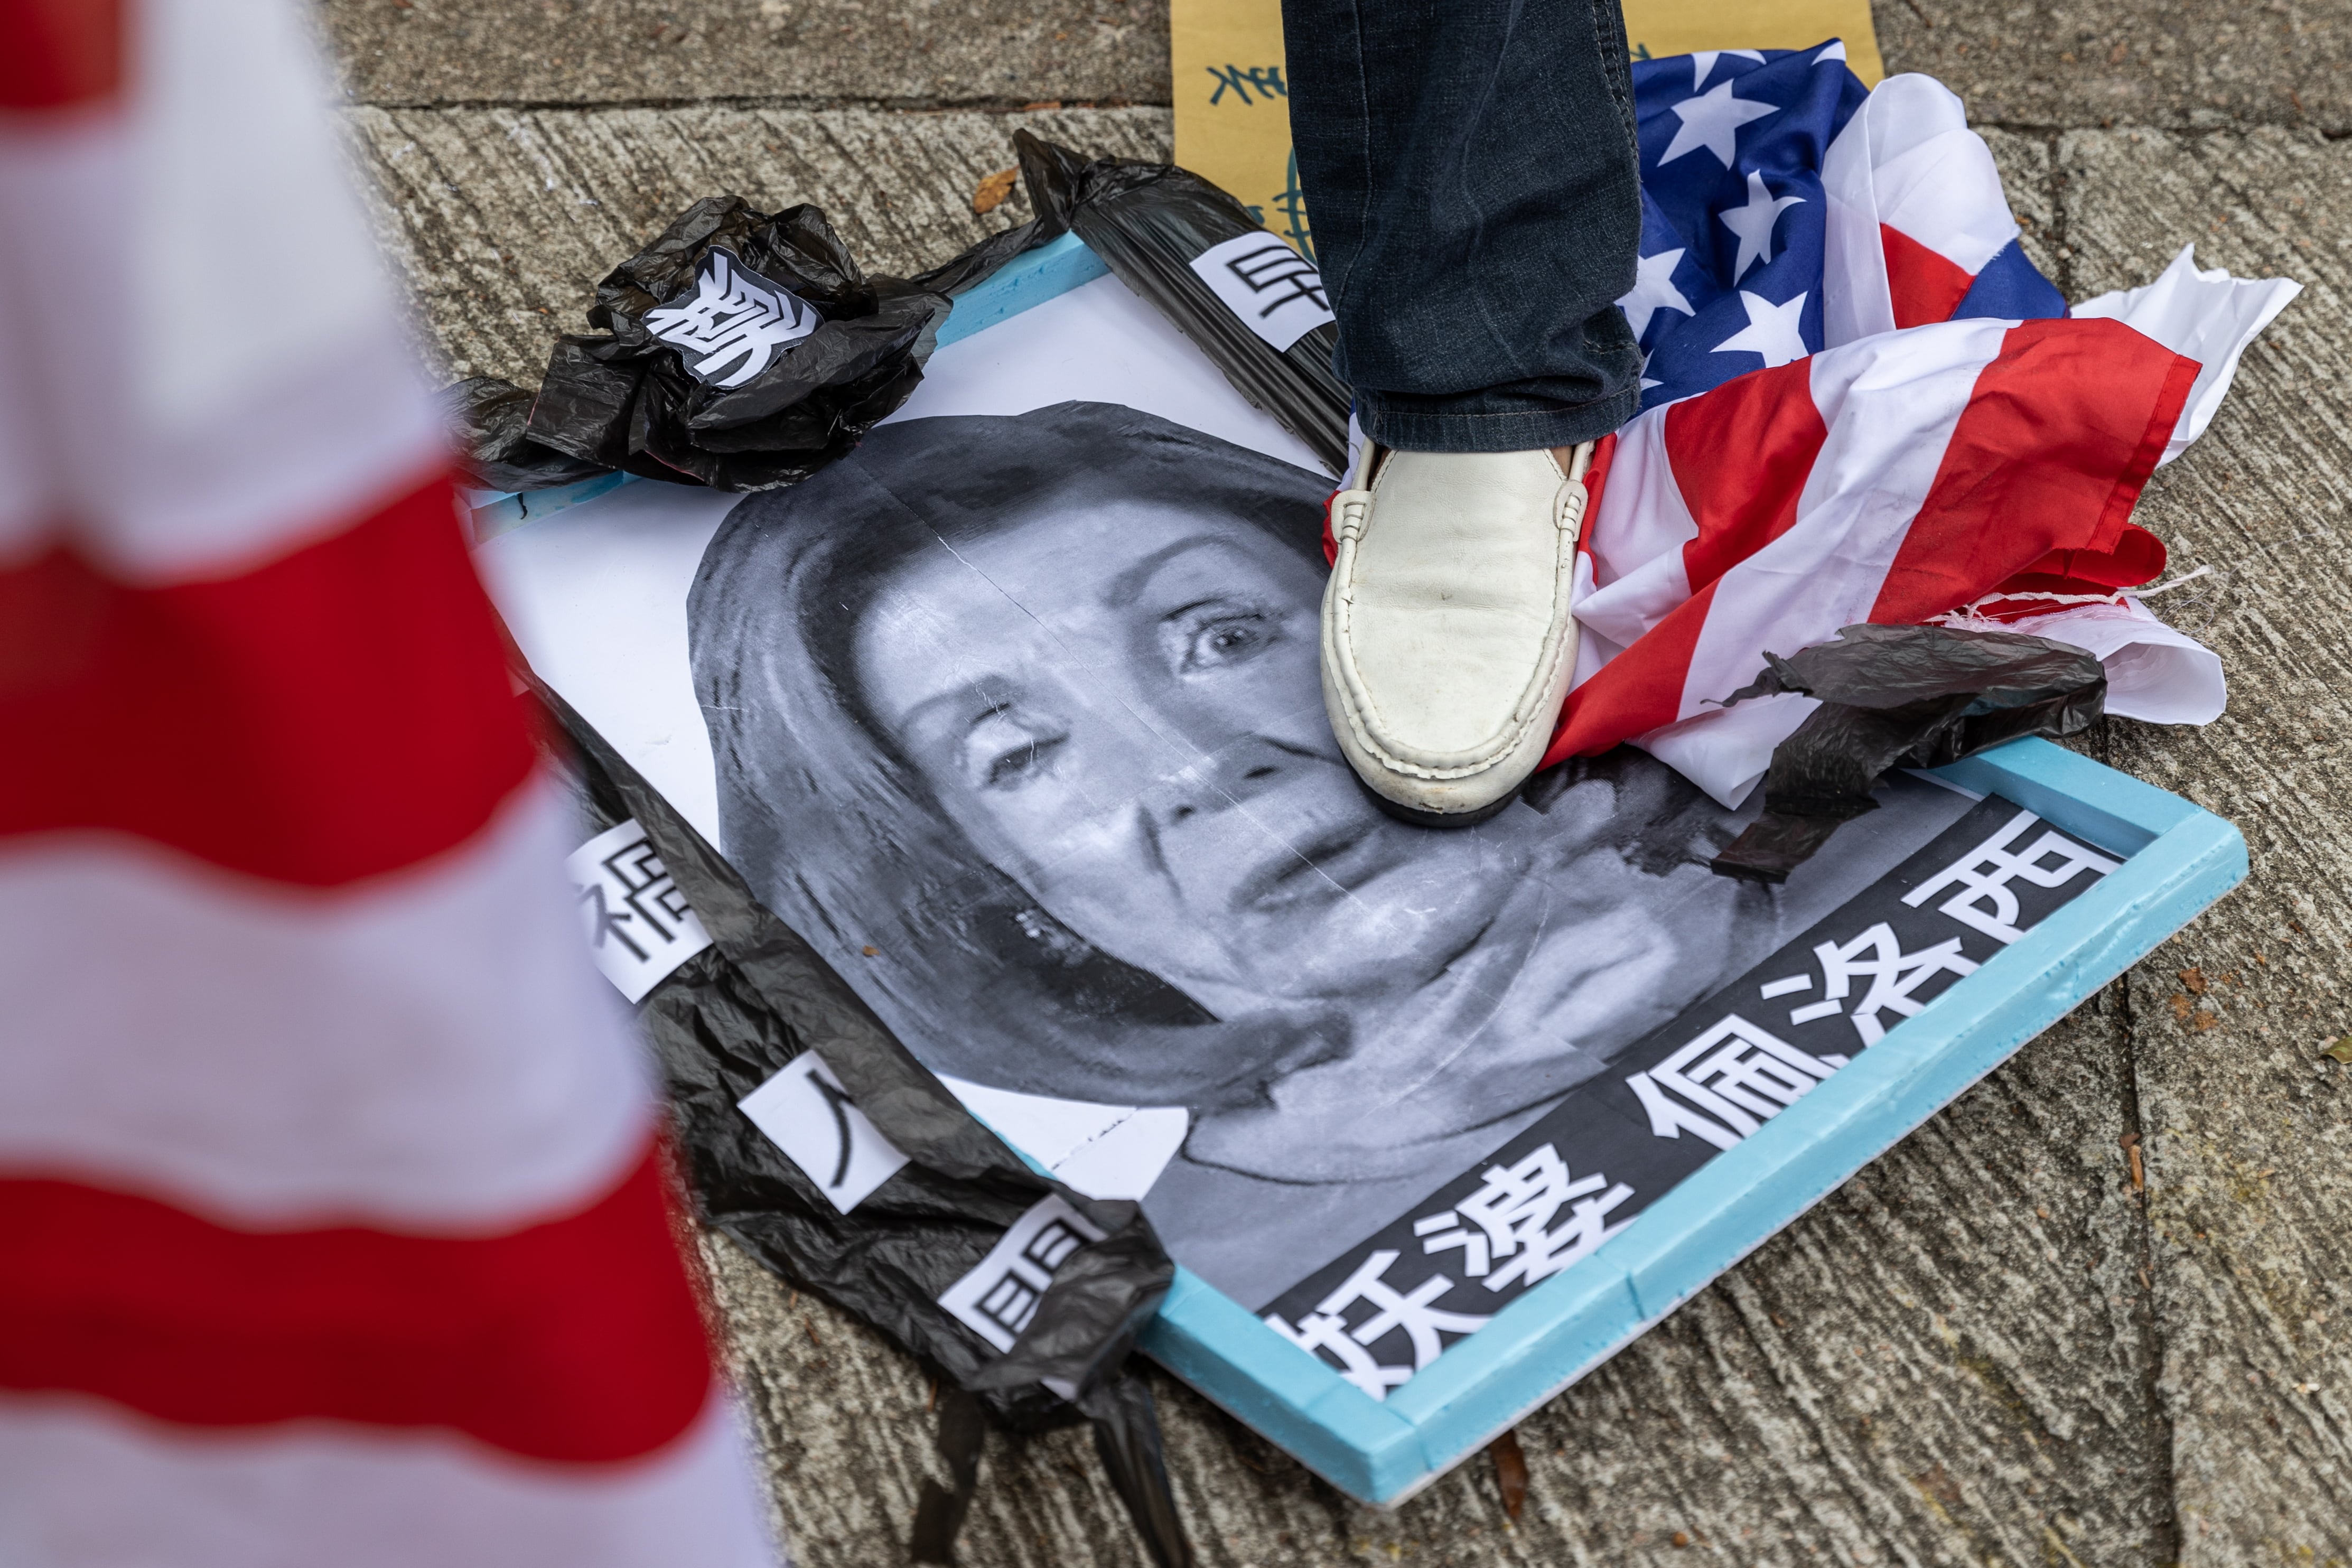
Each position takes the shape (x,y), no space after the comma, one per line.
(1419,818)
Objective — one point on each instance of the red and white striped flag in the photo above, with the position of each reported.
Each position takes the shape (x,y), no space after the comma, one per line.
(333,1227)
(1898,480)
(1917,220)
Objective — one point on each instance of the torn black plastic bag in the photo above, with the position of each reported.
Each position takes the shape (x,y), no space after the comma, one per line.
(1899,696)
(1148,222)
(728,1020)
(489,422)
(744,350)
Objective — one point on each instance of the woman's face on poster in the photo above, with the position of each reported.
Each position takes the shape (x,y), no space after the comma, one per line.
(1120,707)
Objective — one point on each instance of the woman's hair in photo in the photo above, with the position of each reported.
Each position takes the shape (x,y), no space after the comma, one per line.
(840,835)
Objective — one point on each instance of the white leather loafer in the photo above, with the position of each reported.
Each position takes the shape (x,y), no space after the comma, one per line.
(1447,643)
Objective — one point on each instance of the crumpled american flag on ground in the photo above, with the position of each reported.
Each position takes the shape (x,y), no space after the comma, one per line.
(1861,402)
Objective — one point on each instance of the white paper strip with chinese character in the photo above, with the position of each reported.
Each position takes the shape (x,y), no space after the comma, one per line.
(733,325)
(1276,291)
(997,1299)
(804,1111)
(638,924)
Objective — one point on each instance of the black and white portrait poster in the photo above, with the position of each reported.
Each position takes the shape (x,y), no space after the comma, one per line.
(1013,714)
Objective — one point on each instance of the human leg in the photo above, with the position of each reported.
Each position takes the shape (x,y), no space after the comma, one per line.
(1471,175)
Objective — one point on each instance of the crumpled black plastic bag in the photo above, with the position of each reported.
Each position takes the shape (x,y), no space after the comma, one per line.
(731,1016)
(1899,696)
(488,420)
(630,400)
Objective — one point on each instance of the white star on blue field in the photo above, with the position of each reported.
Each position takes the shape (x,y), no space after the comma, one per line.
(1733,219)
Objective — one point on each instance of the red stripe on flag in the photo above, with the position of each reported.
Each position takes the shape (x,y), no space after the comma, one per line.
(1741,456)
(2079,575)
(58,53)
(578,1339)
(2060,435)
(1925,285)
(1638,691)
(340,712)
(1596,480)
(2137,557)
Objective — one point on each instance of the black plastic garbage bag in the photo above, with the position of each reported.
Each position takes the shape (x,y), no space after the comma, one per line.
(488,420)
(742,350)
(731,1018)
(1899,696)
(1148,222)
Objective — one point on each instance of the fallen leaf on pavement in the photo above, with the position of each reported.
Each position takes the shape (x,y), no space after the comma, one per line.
(1510,1472)
(994,190)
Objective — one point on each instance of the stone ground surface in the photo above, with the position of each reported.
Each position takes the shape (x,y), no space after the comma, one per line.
(1992,1346)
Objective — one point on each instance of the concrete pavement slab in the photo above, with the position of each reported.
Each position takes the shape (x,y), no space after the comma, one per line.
(2135,62)
(816,53)
(2248,1130)
(2072,65)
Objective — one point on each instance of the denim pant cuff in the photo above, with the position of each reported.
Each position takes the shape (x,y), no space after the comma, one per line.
(1513,430)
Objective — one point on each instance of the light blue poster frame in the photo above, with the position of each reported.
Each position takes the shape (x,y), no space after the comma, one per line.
(2177,860)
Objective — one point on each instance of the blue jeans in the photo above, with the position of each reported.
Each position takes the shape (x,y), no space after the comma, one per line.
(1470,172)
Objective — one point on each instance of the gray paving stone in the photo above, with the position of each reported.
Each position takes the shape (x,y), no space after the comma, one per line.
(2249,1132)
(815,52)
(2140,62)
